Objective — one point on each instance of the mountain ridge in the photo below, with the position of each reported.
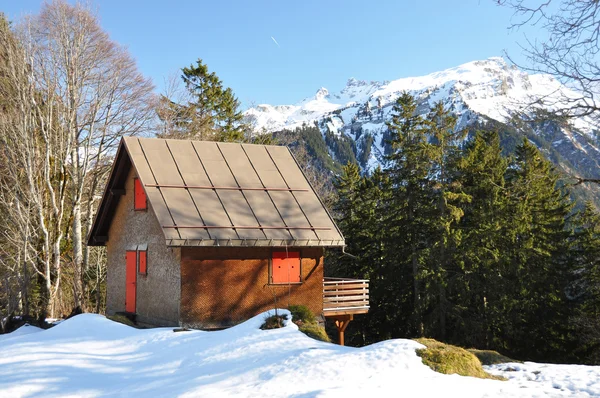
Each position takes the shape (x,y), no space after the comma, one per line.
(477,93)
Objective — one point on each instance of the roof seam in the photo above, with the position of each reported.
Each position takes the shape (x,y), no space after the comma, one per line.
(267,192)
(291,192)
(242,192)
(211,183)
(184,183)
(315,192)
(156,181)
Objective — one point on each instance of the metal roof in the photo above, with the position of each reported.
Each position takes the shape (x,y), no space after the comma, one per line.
(223,194)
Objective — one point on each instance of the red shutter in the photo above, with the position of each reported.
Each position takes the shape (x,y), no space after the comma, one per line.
(142,265)
(139,196)
(285,267)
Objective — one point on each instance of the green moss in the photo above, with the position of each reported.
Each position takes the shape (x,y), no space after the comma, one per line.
(121,319)
(315,331)
(449,359)
(489,357)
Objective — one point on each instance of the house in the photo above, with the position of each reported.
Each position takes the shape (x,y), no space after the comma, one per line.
(207,235)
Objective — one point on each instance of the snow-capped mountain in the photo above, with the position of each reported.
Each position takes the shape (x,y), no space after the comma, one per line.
(476,92)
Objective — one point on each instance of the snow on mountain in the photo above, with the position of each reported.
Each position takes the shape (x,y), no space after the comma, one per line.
(91,356)
(489,88)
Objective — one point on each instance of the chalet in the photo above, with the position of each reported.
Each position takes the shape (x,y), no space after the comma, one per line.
(207,235)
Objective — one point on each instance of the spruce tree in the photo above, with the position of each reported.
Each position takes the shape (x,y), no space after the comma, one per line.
(212,112)
(478,288)
(537,261)
(408,222)
(585,289)
(448,211)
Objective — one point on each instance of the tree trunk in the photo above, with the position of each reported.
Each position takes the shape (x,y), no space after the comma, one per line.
(77,254)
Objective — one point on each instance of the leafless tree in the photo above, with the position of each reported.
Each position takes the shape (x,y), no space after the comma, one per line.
(35,149)
(68,95)
(102,97)
(569,53)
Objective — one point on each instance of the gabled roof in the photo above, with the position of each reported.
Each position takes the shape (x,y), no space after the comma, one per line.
(220,194)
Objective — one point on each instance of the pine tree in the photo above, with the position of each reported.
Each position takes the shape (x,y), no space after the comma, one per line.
(585,290)
(478,287)
(360,209)
(448,212)
(212,112)
(538,266)
(408,226)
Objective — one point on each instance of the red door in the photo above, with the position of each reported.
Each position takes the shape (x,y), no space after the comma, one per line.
(130,280)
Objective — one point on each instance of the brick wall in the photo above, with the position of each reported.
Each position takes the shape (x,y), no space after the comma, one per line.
(224,286)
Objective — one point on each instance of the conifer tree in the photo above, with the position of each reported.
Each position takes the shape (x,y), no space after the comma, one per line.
(479,285)
(408,226)
(585,290)
(536,254)
(211,113)
(448,200)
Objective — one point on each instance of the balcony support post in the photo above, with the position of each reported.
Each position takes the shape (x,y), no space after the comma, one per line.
(341,323)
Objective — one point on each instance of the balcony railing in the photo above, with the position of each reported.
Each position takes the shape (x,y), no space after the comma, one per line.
(342,296)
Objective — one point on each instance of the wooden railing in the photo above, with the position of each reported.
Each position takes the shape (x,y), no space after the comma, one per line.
(342,296)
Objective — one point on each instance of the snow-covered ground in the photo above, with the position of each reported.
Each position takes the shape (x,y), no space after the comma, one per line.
(89,356)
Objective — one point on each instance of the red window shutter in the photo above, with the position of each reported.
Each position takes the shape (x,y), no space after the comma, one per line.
(139,196)
(142,262)
(285,267)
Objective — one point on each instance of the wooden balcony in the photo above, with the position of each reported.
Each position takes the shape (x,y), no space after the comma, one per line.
(343,296)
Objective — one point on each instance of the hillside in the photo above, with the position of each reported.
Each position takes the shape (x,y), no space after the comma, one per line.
(91,356)
(482,94)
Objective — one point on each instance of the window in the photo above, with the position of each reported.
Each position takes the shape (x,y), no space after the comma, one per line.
(285,267)
(139,195)
(142,259)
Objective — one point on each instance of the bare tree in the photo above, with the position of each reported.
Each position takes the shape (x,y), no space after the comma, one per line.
(102,97)
(36,149)
(68,95)
(570,52)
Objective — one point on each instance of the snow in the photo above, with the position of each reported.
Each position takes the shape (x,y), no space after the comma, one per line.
(22,331)
(90,356)
(489,87)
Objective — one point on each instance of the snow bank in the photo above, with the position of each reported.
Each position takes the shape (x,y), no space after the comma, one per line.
(23,330)
(89,355)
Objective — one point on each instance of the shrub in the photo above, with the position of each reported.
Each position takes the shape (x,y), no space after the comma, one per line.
(273,322)
(449,359)
(301,313)
(307,324)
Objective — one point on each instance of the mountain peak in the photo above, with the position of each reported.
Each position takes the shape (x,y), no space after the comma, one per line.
(322,93)
(352,82)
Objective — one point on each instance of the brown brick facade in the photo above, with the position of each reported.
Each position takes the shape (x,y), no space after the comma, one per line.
(224,286)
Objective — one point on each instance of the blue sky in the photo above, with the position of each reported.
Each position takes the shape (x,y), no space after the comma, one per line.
(321,43)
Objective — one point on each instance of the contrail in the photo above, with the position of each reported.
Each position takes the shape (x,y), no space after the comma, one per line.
(275,42)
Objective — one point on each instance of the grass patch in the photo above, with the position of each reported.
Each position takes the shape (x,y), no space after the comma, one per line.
(449,359)
(121,319)
(489,357)
(273,322)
